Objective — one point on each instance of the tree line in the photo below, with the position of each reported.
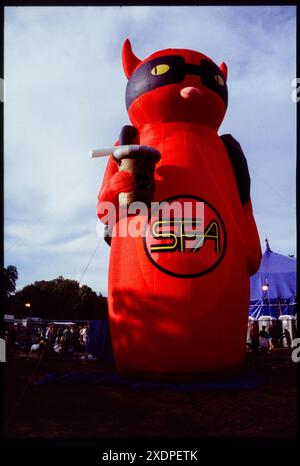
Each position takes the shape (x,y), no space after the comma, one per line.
(58,299)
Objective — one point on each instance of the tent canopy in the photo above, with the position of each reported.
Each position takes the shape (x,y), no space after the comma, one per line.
(273,287)
(276,271)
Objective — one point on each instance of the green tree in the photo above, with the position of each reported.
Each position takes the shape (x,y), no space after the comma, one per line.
(59,299)
(10,276)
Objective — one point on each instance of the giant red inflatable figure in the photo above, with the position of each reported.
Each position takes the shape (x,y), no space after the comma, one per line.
(179,293)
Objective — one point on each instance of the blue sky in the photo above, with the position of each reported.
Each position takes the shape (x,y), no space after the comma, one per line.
(64,94)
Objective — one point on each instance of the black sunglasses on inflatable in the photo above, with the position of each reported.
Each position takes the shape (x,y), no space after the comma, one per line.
(172,69)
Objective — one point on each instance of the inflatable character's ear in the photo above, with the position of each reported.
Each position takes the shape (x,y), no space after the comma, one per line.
(223,68)
(129,60)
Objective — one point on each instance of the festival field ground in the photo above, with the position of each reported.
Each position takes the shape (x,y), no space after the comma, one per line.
(94,410)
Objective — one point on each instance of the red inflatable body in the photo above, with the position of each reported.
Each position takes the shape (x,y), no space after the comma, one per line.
(178,301)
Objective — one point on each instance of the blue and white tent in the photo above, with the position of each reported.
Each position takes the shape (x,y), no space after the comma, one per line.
(273,288)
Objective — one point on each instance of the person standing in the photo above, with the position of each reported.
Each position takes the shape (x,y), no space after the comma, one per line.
(263,340)
(287,338)
(254,335)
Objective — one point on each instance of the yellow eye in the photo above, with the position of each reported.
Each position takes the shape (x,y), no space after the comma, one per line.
(219,80)
(160,69)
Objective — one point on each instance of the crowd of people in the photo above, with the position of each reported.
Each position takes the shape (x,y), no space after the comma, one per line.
(55,339)
(50,339)
(267,340)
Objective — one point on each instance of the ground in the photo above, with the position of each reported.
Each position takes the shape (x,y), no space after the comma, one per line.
(95,410)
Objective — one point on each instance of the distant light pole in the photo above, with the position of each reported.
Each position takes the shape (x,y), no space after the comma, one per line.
(29,306)
(265,288)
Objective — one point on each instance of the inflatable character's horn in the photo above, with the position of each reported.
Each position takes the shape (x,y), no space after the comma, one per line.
(129,60)
(223,68)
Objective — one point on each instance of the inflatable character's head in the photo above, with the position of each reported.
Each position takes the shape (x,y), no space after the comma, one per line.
(174,85)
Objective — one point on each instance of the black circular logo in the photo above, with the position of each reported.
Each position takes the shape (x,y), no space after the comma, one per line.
(185,236)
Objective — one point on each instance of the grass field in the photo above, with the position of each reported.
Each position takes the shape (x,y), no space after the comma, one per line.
(95,410)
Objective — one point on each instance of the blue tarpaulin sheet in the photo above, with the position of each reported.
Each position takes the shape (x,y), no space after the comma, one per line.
(99,342)
(242,382)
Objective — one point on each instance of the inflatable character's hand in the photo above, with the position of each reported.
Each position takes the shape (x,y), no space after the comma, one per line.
(139,162)
(134,178)
(123,181)
(116,181)
(120,182)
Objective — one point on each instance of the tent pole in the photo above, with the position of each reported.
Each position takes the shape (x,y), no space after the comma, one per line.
(279,307)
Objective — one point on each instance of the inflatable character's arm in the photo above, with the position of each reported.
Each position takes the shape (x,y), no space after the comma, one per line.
(241,172)
(115,182)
